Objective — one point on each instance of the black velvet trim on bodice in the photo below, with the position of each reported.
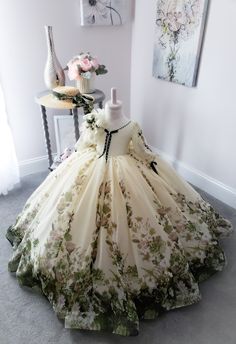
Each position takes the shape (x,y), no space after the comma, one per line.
(108,140)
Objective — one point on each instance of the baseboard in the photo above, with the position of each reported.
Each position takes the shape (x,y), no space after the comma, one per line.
(212,186)
(35,165)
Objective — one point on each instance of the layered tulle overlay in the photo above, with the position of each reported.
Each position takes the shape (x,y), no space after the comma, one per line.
(110,241)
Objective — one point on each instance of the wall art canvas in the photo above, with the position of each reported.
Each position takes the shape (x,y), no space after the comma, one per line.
(103,12)
(178,39)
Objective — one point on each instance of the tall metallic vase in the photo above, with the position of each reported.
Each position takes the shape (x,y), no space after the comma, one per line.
(53,73)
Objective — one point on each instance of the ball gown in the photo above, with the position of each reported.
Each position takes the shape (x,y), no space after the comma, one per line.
(114,235)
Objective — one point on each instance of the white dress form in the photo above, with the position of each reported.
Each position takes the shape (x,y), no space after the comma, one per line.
(117,122)
(114,113)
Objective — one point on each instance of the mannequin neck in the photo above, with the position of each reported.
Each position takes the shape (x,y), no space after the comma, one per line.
(114,115)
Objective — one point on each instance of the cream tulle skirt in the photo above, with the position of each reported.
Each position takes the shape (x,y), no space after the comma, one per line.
(112,243)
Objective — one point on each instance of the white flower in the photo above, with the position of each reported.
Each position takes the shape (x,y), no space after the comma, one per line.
(92,130)
(96,119)
(89,117)
(100,118)
(95,10)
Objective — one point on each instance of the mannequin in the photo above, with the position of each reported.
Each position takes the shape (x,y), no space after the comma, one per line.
(115,121)
(114,113)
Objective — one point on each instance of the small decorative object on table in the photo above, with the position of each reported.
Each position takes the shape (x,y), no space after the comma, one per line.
(53,73)
(83,68)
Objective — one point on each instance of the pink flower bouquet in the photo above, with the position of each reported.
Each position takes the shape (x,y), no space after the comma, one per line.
(83,65)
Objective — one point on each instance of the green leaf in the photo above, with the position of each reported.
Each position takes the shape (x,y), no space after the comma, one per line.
(168,228)
(101,70)
(106,209)
(152,231)
(68,236)
(35,242)
(139,218)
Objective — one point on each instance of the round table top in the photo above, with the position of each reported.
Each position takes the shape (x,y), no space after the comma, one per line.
(47,99)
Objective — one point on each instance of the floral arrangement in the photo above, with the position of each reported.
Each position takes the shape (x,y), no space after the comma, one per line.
(84,65)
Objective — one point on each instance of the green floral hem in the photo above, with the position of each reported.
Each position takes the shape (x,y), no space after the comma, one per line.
(103,311)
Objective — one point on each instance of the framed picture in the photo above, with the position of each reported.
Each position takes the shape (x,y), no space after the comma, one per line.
(64,132)
(178,40)
(103,12)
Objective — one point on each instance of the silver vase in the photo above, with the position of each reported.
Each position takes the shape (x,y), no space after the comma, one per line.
(53,73)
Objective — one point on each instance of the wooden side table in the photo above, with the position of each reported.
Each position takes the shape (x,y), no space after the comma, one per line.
(46,100)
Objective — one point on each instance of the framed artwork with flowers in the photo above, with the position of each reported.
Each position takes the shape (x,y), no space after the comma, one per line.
(102,12)
(179,32)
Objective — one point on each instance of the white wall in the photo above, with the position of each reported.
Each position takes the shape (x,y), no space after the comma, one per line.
(23,56)
(193,127)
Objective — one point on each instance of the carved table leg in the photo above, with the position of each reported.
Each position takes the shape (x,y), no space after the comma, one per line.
(46,134)
(76,123)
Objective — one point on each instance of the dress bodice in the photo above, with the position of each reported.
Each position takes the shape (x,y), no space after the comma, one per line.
(115,142)
(127,139)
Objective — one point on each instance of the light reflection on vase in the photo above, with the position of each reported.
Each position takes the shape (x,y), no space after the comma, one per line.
(53,73)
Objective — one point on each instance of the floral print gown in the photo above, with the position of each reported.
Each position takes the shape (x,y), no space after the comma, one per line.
(115,235)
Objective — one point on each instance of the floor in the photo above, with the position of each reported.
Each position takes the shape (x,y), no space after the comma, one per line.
(27,317)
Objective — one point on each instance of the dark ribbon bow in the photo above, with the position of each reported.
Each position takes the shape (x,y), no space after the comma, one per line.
(79,100)
(107,142)
(152,164)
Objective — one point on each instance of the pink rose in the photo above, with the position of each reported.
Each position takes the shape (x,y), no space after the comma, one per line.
(85,64)
(94,63)
(74,61)
(73,71)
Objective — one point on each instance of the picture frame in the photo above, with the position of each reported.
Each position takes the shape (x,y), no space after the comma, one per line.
(103,12)
(179,32)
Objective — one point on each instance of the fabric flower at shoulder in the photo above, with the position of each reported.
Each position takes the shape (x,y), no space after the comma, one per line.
(94,124)
(95,120)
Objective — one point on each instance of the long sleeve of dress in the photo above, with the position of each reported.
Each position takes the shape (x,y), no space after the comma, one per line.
(140,147)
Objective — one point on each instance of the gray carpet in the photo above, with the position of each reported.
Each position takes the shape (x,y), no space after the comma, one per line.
(27,317)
